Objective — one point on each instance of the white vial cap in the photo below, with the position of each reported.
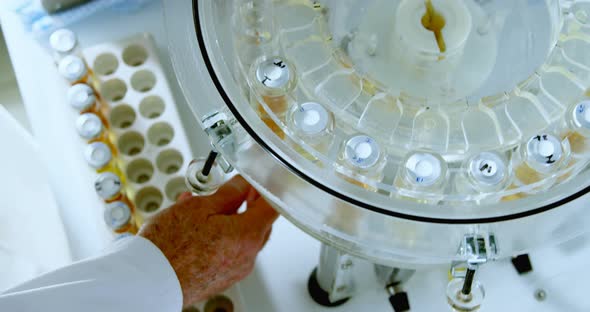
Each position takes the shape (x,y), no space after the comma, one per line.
(362,152)
(274,73)
(108,185)
(424,169)
(117,215)
(98,155)
(72,68)
(311,119)
(545,150)
(63,41)
(488,169)
(582,115)
(89,126)
(81,96)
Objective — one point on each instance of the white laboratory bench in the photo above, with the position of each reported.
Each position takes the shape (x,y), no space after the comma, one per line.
(280,279)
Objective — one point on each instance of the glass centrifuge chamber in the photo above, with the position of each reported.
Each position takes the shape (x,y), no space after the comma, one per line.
(391,129)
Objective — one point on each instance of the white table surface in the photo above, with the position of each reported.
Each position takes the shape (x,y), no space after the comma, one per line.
(279,281)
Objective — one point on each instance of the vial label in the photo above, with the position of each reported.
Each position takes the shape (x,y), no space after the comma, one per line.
(311,119)
(488,169)
(423,169)
(545,150)
(362,152)
(273,73)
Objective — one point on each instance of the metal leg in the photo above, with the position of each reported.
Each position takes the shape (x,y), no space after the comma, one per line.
(332,284)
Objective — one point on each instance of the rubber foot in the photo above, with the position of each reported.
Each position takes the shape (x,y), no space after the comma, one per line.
(319,295)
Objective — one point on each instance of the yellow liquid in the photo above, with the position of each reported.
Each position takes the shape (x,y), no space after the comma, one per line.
(435,22)
(278,105)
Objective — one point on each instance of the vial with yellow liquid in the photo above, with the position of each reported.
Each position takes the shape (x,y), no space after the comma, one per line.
(63,42)
(273,79)
(363,161)
(314,124)
(100,157)
(486,174)
(83,99)
(578,134)
(91,128)
(422,177)
(110,188)
(74,69)
(119,217)
(543,155)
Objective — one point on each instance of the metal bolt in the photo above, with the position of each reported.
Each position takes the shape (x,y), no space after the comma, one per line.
(540,295)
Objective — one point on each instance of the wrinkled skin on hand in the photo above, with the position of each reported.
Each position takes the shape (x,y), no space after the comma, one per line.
(208,244)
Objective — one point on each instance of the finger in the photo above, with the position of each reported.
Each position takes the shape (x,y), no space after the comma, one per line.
(266,237)
(230,196)
(260,214)
(253,195)
(184,196)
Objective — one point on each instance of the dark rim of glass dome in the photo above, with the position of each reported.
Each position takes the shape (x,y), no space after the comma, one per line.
(302,175)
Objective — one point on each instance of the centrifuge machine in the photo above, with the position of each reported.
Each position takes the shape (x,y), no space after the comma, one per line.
(408,133)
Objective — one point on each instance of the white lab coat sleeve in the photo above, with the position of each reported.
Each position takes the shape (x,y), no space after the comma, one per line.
(132,275)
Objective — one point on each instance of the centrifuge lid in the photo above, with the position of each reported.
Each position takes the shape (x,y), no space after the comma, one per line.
(225,85)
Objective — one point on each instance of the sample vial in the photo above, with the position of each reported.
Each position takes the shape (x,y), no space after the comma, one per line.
(579,128)
(543,155)
(110,188)
(83,99)
(422,175)
(273,79)
(364,161)
(100,157)
(119,218)
(312,123)
(484,173)
(63,42)
(74,69)
(91,128)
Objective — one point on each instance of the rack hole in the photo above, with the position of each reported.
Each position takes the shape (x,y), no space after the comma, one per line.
(219,304)
(135,55)
(123,116)
(131,143)
(161,134)
(106,64)
(175,188)
(149,199)
(169,161)
(152,107)
(113,90)
(143,81)
(140,171)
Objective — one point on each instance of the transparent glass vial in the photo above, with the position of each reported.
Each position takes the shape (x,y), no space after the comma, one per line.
(543,155)
(63,42)
(273,79)
(110,188)
(312,123)
(363,161)
(119,217)
(578,134)
(74,69)
(422,176)
(83,99)
(100,157)
(484,173)
(91,128)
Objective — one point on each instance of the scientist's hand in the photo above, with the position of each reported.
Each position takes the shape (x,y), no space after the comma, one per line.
(209,245)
